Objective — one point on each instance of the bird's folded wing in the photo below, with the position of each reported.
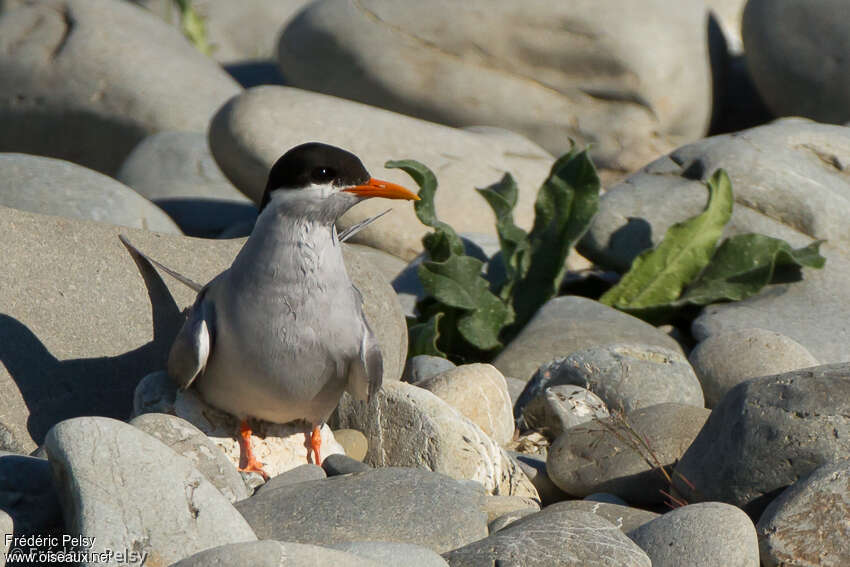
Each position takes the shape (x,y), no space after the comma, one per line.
(191,348)
(367,372)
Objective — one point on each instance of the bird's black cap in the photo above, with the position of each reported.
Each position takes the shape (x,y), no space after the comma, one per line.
(317,163)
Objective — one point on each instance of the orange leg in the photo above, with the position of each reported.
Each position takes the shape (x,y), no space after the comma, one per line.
(247,461)
(315,438)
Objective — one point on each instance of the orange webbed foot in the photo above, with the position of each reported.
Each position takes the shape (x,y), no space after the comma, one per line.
(247,461)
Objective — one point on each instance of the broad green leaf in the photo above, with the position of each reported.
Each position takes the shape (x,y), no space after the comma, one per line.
(744,264)
(566,204)
(444,241)
(482,326)
(423,336)
(658,276)
(457,282)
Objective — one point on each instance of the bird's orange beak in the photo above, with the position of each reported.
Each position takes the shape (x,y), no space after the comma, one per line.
(378,188)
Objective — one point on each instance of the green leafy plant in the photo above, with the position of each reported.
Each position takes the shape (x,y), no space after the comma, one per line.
(473,308)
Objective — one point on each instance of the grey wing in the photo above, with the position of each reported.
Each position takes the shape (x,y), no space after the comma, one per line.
(367,372)
(191,348)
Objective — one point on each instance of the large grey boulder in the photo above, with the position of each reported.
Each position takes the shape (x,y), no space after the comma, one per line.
(551,71)
(55,187)
(254,129)
(85,80)
(270,553)
(389,504)
(766,433)
(795,53)
(130,492)
(78,330)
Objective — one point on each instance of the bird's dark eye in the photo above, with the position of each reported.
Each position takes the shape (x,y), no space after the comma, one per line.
(322,175)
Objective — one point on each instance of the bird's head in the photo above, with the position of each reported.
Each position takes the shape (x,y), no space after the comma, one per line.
(322,182)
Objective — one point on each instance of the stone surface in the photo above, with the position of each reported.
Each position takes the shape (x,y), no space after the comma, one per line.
(626,518)
(27,494)
(410,427)
(187,440)
(254,129)
(795,54)
(723,360)
(78,330)
(337,464)
(626,376)
(269,553)
(553,536)
(567,324)
(391,553)
(560,407)
(131,492)
(280,447)
(710,534)
(176,171)
(60,188)
(768,432)
(534,467)
(789,179)
(300,473)
(807,523)
(509,518)
(87,80)
(424,366)
(354,442)
(480,393)
(388,504)
(550,71)
(498,506)
(236,31)
(729,14)
(610,455)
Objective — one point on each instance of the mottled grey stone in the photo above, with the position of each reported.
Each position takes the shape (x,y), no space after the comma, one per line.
(269,553)
(498,506)
(176,171)
(626,376)
(27,494)
(624,517)
(388,504)
(795,53)
(250,133)
(568,324)
(560,407)
(335,465)
(301,473)
(807,523)
(131,492)
(711,534)
(768,432)
(86,80)
(788,179)
(610,455)
(393,553)
(54,187)
(185,439)
(724,360)
(424,366)
(534,467)
(524,61)
(606,497)
(509,518)
(553,536)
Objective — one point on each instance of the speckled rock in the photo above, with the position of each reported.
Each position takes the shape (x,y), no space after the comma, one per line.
(526,62)
(253,130)
(187,440)
(609,455)
(560,407)
(568,324)
(768,432)
(300,473)
(411,427)
(87,80)
(390,553)
(723,360)
(388,504)
(424,366)
(626,518)
(498,506)
(280,447)
(131,492)
(340,463)
(534,467)
(509,518)
(711,534)
(807,523)
(479,392)
(55,187)
(553,536)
